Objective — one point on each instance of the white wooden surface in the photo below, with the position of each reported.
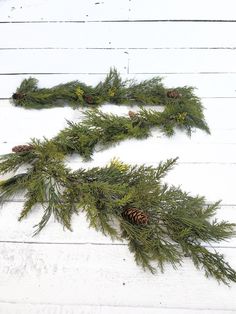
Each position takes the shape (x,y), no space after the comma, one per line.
(187,43)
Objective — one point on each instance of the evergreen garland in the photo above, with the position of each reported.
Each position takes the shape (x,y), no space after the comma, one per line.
(102,130)
(161,223)
(112,90)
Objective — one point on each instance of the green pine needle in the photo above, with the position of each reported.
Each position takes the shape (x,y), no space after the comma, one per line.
(103,129)
(113,90)
(178,224)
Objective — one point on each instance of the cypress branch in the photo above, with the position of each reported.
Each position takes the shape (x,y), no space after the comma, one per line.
(176,223)
(97,129)
(104,130)
(113,90)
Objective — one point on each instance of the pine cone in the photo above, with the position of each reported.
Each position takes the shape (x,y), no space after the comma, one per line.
(173,94)
(132,114)
(22,148)
(18,96)
(135,216)
(89,99)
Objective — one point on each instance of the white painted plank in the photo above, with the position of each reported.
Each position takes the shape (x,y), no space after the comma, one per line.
(99,61)
(182,10)
(213,181)
(61,61)
(11,230)
(157,150)
(181,61)
(207,85)
(42,10)
(104,275)
(118,35)
(54,10)
(30,124)
(11,308)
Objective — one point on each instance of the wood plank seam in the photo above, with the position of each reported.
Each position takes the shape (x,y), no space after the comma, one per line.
(95,243)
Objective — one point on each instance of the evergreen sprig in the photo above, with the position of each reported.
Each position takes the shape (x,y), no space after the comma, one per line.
(113,90)
(178,224)
(103,130)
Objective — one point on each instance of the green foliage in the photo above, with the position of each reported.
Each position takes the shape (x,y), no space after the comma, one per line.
(12,162)
(103,129)
(178,224)
(28,95)
(113,90)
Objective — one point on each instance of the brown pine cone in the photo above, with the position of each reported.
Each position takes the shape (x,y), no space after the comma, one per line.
(132,114)
(22,148)
(135,216)
(18,96)
(173,94)
(89,99)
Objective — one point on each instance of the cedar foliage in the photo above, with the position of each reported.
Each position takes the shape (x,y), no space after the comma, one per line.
(161,224)
(102,129)
(178,224)
(113,90)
